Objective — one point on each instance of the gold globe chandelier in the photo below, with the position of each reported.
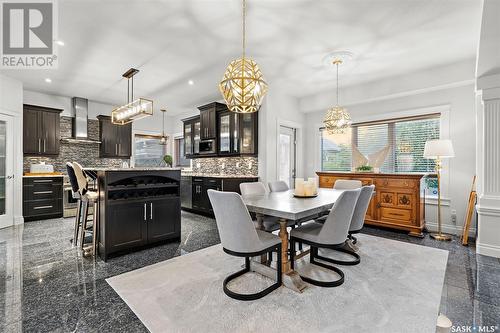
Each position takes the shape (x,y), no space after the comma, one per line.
(337,119)
(243,86)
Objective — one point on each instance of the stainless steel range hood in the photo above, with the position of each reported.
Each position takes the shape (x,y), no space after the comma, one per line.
(80,108)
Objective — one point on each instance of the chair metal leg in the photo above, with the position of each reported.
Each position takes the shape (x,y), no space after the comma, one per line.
(313,254)
(260,294)
(77,222)
(356,256)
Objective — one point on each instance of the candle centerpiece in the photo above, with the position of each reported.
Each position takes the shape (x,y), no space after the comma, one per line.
(305,188)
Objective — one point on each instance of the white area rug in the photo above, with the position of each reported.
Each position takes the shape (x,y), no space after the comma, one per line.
(396,288)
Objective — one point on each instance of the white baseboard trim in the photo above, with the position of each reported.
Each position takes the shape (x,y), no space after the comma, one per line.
(488,250)
(18,220)
(449,229)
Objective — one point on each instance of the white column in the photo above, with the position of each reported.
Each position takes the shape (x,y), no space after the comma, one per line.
(488,207)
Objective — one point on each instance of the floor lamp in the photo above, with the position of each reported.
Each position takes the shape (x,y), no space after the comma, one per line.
(437,150)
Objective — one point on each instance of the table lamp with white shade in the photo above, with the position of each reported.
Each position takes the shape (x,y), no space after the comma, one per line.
(437,150)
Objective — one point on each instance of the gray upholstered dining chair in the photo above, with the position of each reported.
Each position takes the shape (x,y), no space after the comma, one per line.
(357,222)
(331,235)
(253,188)
(278,186)
(347,184)
(269,223)
(239,238)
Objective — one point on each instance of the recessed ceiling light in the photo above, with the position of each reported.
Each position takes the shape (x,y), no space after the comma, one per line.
(48,80)
(191,82)
(59,42)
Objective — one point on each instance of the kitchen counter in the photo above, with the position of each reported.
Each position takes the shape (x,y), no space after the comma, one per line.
(133,169)
(42,175)
(213,175)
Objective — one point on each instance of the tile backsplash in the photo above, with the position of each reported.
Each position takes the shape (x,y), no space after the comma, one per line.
(87,154)
(247,166)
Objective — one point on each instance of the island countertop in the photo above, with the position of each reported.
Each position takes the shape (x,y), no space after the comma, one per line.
(133,169)
(214,175)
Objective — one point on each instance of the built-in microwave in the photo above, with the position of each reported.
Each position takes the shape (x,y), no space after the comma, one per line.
(208,147)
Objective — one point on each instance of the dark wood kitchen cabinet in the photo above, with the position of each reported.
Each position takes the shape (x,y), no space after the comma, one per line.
(200,202)
(236,133)
(249,131)
(116,140)
(41,130)
(229,133)
(42,198)
(137,208)
(192,136)
(208,117)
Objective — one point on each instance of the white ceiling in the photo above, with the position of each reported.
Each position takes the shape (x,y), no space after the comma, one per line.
(174,41)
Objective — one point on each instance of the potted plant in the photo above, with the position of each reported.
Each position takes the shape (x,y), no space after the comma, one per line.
(364,168)
(168,160)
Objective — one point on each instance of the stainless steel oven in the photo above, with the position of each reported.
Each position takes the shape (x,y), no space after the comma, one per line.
(208,147)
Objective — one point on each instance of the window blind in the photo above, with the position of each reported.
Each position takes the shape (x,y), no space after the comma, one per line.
(406,138)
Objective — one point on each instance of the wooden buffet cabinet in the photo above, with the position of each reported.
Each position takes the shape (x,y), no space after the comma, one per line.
(399,200)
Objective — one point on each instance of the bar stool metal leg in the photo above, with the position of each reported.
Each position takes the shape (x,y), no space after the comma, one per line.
(77,222)
(85,208)
(95,229)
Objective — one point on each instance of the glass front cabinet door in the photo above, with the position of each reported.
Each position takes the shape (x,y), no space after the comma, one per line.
(248,132)
(188,138)
(228,133)
(196,137)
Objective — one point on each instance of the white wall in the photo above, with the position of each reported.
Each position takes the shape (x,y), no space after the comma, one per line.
(11,103)
(488,126)
(278,108)
(456,101)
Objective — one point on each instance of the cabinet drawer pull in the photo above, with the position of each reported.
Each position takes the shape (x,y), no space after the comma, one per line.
(42,192)
(43,207)
(44,145)
(43,181)
(145,217)
(150,210)
(396,214)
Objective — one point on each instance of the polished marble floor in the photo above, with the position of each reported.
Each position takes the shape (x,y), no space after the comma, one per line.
(46,286)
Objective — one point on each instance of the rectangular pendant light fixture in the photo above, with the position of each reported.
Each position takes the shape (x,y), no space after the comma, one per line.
(134,109)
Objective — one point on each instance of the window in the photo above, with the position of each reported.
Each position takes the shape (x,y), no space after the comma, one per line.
(336,151)
(148,151)
(180,159)
(405,137)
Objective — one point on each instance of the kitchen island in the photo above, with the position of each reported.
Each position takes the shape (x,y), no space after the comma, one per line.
(137,207)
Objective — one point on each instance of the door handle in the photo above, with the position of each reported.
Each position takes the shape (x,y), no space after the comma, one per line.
(44,145)
(39,145)
(150,210)
(10,177)
(145,217)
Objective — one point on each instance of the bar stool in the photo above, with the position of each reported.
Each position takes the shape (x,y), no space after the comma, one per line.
(76,195)
(88,198)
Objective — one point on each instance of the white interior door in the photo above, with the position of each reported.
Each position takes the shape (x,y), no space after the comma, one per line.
(287,155)
(6,171)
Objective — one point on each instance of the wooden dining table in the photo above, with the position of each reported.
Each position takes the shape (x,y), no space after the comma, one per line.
(286,207)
